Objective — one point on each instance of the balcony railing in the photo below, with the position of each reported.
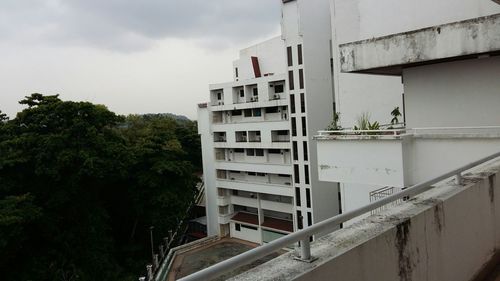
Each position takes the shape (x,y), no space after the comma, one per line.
(327,225)
(278,138)
(255,139)
(479,131)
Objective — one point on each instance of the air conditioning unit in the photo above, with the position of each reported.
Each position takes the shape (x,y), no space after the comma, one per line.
(276,96)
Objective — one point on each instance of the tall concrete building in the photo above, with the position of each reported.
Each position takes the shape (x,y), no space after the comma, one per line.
(259,157)
(257,131)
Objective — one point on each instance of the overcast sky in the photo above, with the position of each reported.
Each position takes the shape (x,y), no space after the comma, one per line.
(144,56)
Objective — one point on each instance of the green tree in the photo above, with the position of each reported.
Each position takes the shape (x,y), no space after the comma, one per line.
(80,186)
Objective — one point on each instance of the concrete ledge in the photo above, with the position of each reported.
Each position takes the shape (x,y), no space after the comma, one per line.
(390,54)
(447,233)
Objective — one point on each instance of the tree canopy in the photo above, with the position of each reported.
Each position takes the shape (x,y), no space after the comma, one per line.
(80,186)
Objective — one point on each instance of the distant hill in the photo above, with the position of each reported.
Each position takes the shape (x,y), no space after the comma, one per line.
(180,118)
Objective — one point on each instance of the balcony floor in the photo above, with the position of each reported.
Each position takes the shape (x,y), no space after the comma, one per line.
(200,258)
(278,224)
(246,218)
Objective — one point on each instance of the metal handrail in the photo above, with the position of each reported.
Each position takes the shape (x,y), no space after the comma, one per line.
(304,234)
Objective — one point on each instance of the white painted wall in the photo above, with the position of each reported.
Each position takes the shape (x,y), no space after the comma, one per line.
(455,94)
(365,19)
(246,234)
(372,161)
(374,94)
(308,22)
(355,196)
(271,59)
(209,177)
(355,93)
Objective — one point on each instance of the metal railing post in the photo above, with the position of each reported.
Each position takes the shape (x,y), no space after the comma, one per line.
(458,178)
(305,249)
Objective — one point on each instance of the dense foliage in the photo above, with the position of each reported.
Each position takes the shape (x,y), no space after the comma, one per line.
(80,186)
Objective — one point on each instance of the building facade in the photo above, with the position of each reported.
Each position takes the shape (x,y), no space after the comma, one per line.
(259,156)
(257,132)
(448,61)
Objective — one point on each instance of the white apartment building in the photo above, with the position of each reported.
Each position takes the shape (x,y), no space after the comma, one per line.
(446,54)
(256,133)
(259,157)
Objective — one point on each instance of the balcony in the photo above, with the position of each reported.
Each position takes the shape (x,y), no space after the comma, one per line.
(241,136)
(219,137)
(400,158)
(278,224)
(280,136)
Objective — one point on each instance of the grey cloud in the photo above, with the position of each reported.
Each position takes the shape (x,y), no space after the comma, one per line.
(135,24)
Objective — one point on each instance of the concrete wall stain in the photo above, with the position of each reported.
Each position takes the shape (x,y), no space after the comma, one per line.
(439,216)
(405,263)
(491,188)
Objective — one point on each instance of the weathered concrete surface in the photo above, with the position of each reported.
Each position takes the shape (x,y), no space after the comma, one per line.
(389,54)
(447,233)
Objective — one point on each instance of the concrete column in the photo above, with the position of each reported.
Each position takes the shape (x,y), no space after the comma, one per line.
(260,216)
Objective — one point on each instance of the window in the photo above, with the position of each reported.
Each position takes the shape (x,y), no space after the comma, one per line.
(290,80)
(296,173)
(251,173)
(299,219)
(283,175)
(250,152)
(248,112)
(299,53)
(289,55)
(236,112)
(255,92)
(235,192)
(306,172)
(236,72)
(274,151)
(239,150)
(261,174)
(237,227)
(292,103)
(304,126)
(294,127)
(279,88)
(242,93)
(273,109)
(301,78)
(308,197)
(282,133)
(259,152)
(297,196)
(257,112)
(306,154)
(295,151)
(309,219)
(219,96)
(302,103)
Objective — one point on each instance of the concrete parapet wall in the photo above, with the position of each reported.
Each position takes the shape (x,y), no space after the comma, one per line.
(447,233)
(390,54)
